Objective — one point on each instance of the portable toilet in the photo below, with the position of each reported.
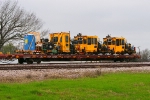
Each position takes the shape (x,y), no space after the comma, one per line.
(29,42)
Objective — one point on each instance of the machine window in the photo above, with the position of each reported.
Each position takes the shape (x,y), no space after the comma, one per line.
(89,41)
(84,41)
(120,42)
(123,43)
(113,42)
(55,39)
(92,40)
(105,42)
(109,41)
(74,42)
(79,40)
(117,42)
(67,39)
(95,40)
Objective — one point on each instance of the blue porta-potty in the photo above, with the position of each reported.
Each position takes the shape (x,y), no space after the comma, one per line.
(29,42)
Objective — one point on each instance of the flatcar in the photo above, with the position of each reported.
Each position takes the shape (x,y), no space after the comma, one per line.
(60,46)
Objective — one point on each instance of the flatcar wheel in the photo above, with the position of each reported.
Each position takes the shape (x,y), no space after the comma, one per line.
(38,62)
(20,61)
(29,61)
(121,60)
(127,60)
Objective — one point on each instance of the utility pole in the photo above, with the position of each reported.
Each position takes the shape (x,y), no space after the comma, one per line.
(139,49)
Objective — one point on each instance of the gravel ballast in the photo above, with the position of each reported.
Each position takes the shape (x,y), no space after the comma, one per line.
(41,74)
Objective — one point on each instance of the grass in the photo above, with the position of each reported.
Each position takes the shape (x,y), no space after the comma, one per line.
(114,86)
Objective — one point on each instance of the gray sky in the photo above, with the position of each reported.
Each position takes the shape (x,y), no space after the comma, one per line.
(127,18)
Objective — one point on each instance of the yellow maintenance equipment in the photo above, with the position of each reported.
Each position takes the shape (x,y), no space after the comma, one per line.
(85,43)
(61,41)
(116,44)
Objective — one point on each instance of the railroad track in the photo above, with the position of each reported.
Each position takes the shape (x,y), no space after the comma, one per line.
(69,65)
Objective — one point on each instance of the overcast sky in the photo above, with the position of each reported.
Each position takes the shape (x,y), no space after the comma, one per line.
(127,18)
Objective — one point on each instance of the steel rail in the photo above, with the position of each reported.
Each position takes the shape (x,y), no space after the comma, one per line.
(67,66)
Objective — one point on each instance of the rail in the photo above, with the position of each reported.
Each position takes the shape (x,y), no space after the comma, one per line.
(69,65)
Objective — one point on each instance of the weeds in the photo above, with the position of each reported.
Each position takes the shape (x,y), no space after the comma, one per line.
(46,75)
(68,75)
(29,76)
(92,73)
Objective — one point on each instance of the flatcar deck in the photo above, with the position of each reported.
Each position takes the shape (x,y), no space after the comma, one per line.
(30,58)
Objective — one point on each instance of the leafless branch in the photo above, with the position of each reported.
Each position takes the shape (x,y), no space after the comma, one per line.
(15,22)
(45,33)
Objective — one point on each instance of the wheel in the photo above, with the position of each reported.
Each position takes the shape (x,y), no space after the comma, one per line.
(121,60)
(29,61)
(38,62)
(127,60)
(20,60)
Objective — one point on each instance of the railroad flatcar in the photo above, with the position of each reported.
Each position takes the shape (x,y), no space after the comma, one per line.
(59,46)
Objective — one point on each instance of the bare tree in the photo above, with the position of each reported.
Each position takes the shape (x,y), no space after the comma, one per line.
(145,55)
(15,22)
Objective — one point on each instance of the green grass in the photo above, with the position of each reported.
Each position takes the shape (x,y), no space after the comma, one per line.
(111,86)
